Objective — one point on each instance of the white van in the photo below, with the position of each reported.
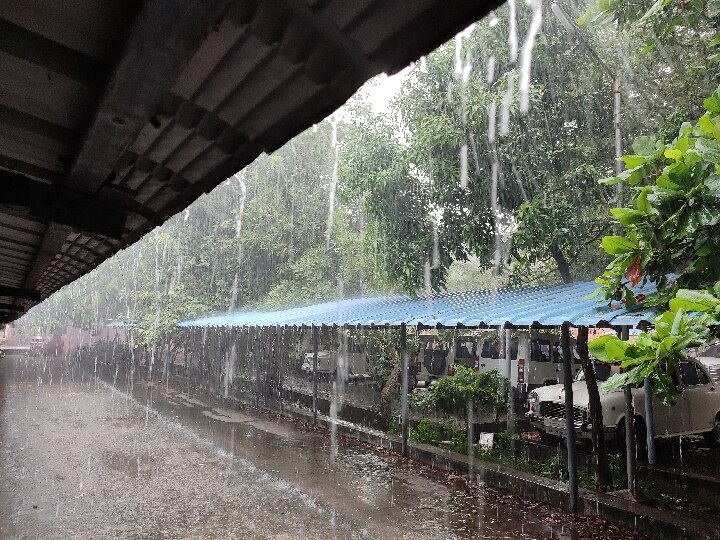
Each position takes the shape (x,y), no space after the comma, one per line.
(356,363)
(535,358)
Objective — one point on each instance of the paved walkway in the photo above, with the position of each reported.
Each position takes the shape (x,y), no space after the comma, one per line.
(83,459)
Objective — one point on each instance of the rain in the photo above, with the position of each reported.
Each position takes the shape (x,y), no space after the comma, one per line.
(373,330)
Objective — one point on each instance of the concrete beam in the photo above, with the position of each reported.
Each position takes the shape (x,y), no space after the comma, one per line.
(53,239)
(162,41)
(28,169)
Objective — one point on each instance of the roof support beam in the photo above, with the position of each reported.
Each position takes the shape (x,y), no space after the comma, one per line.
(17,292)
(19,120)
(29,169)
(39,50)
(61,205)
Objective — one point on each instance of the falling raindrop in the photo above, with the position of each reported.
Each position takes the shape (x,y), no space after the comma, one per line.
(334,120)
(526,55)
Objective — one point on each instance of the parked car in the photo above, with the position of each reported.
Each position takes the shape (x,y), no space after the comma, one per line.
(696,412)
(535,358)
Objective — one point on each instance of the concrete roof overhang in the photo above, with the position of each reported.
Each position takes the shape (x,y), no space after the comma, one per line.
(117,114)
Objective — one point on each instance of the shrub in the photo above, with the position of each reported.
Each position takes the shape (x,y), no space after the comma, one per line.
(425,432)
(487,390)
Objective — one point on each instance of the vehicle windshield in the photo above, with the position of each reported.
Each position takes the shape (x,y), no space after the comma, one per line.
(602,373)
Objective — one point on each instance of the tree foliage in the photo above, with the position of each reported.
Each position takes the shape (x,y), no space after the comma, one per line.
(445,177)
(672,226)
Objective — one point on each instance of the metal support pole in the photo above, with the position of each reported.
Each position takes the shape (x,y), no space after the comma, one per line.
(258,357)
(404,424)
(649,422)
(316,344)
(631,464)
(569,417)
(471,440)
(508,373)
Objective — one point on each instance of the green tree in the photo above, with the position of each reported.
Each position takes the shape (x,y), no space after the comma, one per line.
(671,227)
(453,183)
(530,201)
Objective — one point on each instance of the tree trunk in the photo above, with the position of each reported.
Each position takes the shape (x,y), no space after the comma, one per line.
(595,408)
(562,263)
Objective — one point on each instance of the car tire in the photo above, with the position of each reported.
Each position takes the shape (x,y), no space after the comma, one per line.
(713,436)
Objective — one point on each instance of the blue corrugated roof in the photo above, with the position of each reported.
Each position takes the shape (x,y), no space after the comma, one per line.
(544,305)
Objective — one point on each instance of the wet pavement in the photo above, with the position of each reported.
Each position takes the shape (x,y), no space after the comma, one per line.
(83,458)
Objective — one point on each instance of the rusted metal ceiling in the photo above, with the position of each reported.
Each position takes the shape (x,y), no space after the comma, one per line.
(117,114)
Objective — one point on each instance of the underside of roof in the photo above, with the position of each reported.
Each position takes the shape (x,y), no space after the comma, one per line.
(117,114)
(544,306)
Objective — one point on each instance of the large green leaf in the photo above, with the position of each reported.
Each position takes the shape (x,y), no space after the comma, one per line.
(709,149)
(642,203)
(597,347)
(620,380)
(710,124)
(664,181)
(690,300)
(611,180)
(708,215)
(627,216)
(631,161)
(616,350)
(712,183)
(616,245)
(712,103)
(644,146)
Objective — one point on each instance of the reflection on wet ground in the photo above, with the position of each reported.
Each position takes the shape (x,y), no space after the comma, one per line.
(85,459)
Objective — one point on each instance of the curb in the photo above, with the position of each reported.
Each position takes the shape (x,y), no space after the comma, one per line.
(647,520)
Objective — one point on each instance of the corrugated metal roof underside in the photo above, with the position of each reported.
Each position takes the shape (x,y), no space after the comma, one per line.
(116,115)
(544,306)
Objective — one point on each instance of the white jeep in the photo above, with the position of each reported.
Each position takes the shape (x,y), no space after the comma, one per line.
(696,412)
